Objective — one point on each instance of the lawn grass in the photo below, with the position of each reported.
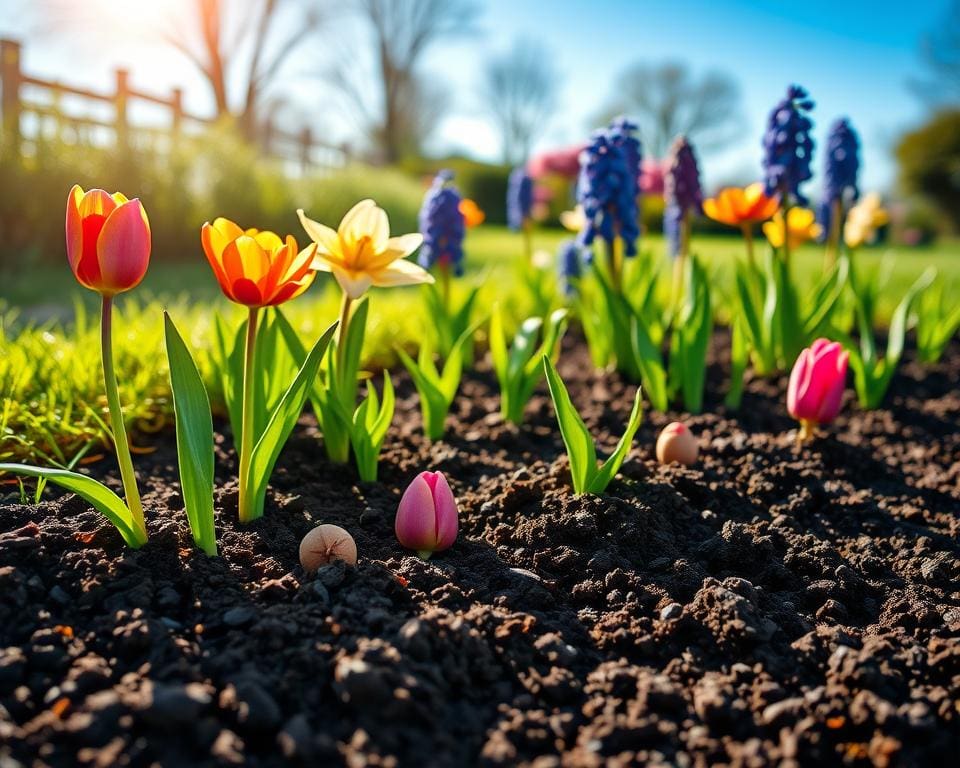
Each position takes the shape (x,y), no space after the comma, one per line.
(51,394)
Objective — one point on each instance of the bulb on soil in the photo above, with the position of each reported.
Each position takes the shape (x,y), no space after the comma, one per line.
(325,544)
(677,443)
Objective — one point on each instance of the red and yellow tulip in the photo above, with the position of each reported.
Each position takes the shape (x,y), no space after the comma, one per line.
(108,240)
(254,268)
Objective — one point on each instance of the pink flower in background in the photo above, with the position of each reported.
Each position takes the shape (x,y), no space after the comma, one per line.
(652,177)
(816,385)
(561,162)
(427,518)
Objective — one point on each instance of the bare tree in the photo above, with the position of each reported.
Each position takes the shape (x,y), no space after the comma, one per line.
(940,49)
(667,100)
(254,39)
(519,88)
(395,114)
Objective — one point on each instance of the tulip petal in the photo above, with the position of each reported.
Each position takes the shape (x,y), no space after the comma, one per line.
(97,202)
(123,248)
(211,240)
(244,258)
(415,524)
(245,291)
(445,504)
(74,227)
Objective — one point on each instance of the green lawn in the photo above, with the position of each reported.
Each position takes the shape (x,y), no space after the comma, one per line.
(487,247)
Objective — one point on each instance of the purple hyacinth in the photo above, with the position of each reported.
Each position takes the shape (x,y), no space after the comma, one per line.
(623,133)
(519,197)
(842,163)
(682,190)
(442,225)
(787,145)
(569,265)
(607,190)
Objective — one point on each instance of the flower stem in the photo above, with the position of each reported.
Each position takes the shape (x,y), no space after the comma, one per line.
(615,262)
(748,240)
(785,209)
(129,477)
(445,288)
(247,504)
(806,431)
(342,332)
(833,237)
(527,241)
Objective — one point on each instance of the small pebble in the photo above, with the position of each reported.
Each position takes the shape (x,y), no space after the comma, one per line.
(325,544)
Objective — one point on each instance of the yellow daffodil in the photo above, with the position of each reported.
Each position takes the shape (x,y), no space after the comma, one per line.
(361,253)
(801,227)
(736,206)
(574,220)
(863,220)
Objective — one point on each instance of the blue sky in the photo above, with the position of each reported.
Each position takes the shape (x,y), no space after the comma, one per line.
(854,57)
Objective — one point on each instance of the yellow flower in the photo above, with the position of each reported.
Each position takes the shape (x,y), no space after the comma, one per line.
(863,220)
(361,252)
(801,226)
(574,220)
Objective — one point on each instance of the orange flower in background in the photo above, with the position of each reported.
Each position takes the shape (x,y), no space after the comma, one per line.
(801,227)
(736,206)
(108,240)
(257,269)
(472,213)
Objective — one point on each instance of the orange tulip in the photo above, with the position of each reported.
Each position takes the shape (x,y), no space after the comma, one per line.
(736,207)
(108,240)
(257,269)
(472,213)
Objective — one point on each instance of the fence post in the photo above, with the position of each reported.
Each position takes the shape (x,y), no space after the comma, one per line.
(120,101)
(176,112)
(306,144)
(10,79)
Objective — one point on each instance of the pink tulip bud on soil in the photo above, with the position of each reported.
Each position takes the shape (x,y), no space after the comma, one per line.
(427,518)
(816,385)
(677,443)
(325,544)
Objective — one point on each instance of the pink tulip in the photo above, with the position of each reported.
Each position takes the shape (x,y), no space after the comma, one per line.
(816,384)
(427,515)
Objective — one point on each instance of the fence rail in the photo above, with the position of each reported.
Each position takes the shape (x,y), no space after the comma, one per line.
(296,149)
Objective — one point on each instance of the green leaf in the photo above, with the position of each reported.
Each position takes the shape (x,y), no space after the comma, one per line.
(652,372)
(611,466)
(282,421)
(371,421)
(576,436)
(98,495)
(194,438)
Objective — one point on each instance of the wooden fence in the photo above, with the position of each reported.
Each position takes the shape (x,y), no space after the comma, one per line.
(32,107)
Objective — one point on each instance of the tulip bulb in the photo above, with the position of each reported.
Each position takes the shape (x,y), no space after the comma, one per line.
(677,444)
(326,544)
(427,518)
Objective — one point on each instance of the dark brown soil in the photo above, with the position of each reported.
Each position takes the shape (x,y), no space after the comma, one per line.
(772,606)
